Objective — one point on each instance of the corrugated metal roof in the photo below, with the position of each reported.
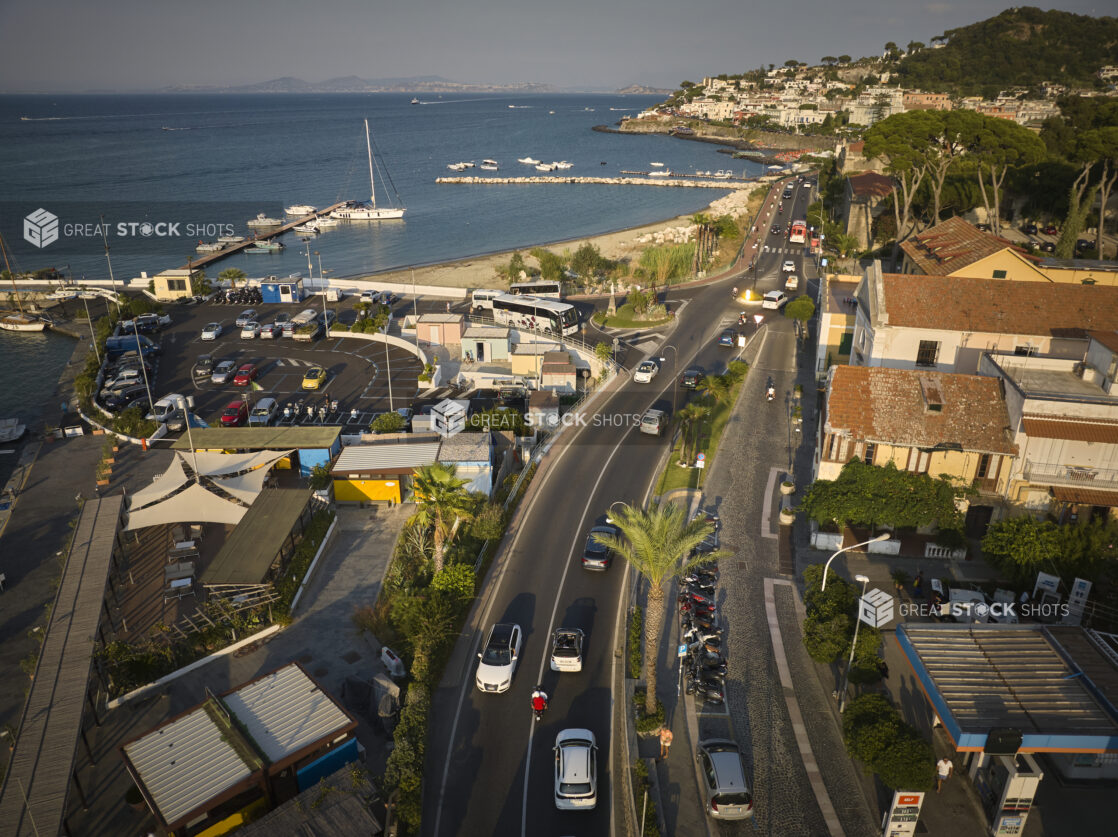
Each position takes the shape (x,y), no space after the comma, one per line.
(185,764)
(486,331)
(374,457)
(285,711)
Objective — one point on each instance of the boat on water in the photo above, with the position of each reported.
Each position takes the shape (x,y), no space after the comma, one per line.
(660,173)
(656,165)
(415,101)
(265,247)
(230,239)
(563,164)
(11,430)
(360,211)
(457,166)
(299,209)
(528,161)
(13,320)
(325,221)
(209,247)
(262,220)
(489,165)
(546,167)
(63,294)
(309,228)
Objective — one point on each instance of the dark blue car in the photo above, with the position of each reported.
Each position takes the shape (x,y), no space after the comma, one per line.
(729,337)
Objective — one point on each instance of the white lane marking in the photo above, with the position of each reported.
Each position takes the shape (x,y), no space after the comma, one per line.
(551,624)
(766,514)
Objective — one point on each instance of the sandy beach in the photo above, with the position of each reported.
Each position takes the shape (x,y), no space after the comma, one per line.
(481,271)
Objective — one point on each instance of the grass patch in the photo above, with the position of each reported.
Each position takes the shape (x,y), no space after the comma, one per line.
(646,723)
(626,317)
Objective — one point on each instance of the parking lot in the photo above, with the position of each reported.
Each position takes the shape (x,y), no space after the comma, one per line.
(357,370)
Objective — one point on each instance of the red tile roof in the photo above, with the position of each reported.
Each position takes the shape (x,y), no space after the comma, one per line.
(1071,429)
(1086,496)
(953,244)
(1107,338)
(870,184)
(894,406)
(998,306)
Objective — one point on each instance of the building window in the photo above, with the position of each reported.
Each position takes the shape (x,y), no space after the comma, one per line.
(927,353)
(871,449)
(999,274)
(176,284)
(1024,351)
(983,470)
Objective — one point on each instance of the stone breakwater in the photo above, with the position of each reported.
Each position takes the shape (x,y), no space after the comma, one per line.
(604,181)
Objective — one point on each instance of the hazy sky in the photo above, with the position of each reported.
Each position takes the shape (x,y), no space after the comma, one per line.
(79,45)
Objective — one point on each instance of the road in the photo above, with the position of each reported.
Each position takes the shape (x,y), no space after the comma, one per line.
(490,767)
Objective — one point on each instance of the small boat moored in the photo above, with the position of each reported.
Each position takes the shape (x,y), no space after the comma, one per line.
(299,209)
(265,247)
(489,165)
(263,220)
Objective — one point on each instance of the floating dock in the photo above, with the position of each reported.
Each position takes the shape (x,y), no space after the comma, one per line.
(675,180)
(268,233)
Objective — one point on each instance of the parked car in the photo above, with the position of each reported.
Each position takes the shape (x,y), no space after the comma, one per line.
(596,556)
(235,414)
(282,317)
(774,299)
(729,337)
(788,267)
(776,230)
(646,370)
(499,658)
(263,412)
(250,330)
(691,377)
(211,331)
(727,793)
(576,770)
(246,316)
(654,422)
(1051,229)
(165,407)
(566,649)
(121,399)
(1030,229)
(245,375)
(269,331)
(223,372)
(203,366)
(370,297)
(315,378)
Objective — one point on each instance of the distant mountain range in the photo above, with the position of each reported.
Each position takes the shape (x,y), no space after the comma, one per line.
(413,84)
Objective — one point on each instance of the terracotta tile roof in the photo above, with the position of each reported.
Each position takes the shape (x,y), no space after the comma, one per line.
(856,147)
(952,245)
(1071,429)
(1107,338)
(897,407)
(870,184)
(1086,496)
(996,306)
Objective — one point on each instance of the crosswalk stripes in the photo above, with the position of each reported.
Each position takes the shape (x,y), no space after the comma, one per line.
(290,361)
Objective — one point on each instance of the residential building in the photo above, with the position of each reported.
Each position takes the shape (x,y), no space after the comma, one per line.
(923,422)
(486,343)
(1064,416)
(945,323)
(471,454)
(1080,271)
(837,315)
(851,158)
(955,248)
(917,100)
(863,202)
(439,329)
(558,372)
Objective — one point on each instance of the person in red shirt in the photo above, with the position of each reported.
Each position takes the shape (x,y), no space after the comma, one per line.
(539,701)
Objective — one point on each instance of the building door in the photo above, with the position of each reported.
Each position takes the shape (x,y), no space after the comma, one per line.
(480,353)
(978,520)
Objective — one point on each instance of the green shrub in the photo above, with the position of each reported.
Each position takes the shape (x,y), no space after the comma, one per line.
(876,734)
(636,626)
(456,580)
(428,372)
(391,422)
(404,770)
(598,318)
(645,722)
(489,523)
(288,583)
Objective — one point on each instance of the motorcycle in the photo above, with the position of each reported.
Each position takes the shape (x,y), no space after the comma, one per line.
(770,390)
(710,688)
(697,610)
(708,668)
(696,597)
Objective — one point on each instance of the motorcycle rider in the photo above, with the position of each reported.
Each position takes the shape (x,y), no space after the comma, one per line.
(539,701)
(770,390)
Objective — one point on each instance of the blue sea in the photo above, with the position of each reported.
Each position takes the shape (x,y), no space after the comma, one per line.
(168,154)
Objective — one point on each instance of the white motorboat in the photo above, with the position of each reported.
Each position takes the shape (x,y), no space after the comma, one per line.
(489,165)
(563,164)
(457,166)
(263,220)
(11,430)
(209,247)
(325,221)
(546,167)
(230,239)
(360,211)
(660,173)
(299,209)
(309,228)
(528,161)
(656,165)
(415,101)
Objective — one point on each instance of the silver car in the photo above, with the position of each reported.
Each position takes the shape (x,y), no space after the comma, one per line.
(728,796)
(223,372)
(576,770)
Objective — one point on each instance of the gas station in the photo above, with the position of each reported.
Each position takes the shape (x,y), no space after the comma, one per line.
(1005,693)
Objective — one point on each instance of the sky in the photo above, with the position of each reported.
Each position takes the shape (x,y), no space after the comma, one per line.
(128,45)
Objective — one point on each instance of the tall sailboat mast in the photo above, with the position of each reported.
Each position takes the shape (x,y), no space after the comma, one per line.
(369,148)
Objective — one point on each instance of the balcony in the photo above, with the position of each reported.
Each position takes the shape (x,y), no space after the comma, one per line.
(1103,479)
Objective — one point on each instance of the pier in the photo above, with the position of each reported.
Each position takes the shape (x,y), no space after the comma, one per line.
(694,181)
(269,233)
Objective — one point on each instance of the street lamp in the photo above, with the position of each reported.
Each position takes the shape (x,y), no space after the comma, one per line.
(181,403)
(609,511)
(675,389)
(882,537)
(857,624)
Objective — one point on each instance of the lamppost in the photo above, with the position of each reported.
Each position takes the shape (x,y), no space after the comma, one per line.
(882,537)
(853,645)
(675,389)
(181,403)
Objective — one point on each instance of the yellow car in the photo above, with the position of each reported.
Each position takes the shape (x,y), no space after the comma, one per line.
(314,378)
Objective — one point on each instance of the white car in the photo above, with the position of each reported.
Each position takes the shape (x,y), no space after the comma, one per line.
(576,770)
(263,412)
(566,649)
(646,371)
(499,658)
(250,330)
(246,316)
(774,299)
(788,267)
(212,331)
(270,331)
(792,282)
(223,372)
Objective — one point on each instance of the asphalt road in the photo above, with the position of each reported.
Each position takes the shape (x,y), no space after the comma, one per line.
(490,766)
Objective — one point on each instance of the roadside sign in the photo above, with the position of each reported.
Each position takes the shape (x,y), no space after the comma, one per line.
(616,342)
(701,460)
(823,262)
(682,650)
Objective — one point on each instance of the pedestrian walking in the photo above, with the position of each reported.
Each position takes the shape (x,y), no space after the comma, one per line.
(665,741)
(918,585)
(944,769)
(448,308)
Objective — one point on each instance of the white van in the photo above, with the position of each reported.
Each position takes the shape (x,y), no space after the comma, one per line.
(263,412)
(483,298)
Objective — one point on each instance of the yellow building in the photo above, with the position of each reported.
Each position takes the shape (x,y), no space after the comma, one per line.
(379,473)
(174,284)
(838,312)
(924,422)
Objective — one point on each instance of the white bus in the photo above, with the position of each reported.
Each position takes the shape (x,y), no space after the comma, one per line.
(535,314)
(483,298)
(547,290)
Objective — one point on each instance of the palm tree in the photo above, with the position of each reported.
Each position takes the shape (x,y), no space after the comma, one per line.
(444,504)
(658,544)
(232,275)
(688,419)
(715,387)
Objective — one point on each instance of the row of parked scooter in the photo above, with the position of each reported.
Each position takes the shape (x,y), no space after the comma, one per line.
(701,630)
(239,296)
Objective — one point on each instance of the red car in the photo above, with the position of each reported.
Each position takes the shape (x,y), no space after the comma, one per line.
(245,375)
(235,414)
(1051,230)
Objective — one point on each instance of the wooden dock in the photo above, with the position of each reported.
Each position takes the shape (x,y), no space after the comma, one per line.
(674,180)
(269,233)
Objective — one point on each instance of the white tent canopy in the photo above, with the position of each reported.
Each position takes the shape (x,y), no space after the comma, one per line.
(246,486)
(166,483)
(220,464)
(194,505)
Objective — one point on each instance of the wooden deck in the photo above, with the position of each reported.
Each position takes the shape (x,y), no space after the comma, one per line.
(210,258)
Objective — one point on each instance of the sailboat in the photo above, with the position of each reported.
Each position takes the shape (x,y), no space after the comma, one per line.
(355,211)
(21,321)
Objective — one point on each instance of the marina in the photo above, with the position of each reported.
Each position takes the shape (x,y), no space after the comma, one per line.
(695,181)
(264,236)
